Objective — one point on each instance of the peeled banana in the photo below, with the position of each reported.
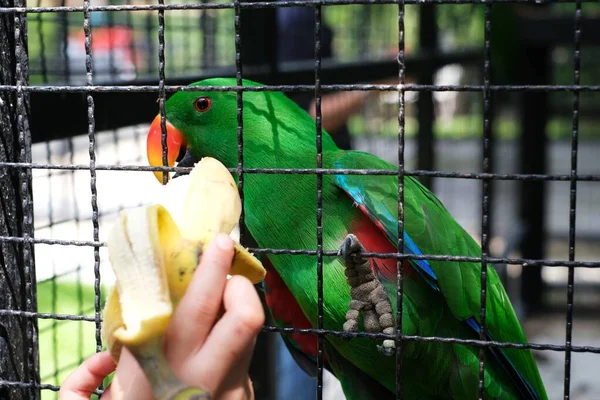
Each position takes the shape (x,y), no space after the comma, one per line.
(154,256)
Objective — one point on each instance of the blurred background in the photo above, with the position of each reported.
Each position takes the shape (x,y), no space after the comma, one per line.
(530,44)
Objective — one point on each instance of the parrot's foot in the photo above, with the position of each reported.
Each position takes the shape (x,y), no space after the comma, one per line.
(368,295)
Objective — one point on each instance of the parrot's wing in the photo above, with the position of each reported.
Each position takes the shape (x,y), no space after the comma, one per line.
(430,229)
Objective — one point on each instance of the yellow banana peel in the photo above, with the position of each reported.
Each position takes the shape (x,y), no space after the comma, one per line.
(154,258)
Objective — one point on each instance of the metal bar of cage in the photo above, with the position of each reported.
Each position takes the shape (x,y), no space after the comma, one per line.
(573,201)
(306,88)
(303,171)
(319,205)
(347,335)
(485,197)
(398,337)
(92,154)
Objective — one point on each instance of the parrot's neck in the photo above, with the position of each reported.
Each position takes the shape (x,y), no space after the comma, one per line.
(280,209)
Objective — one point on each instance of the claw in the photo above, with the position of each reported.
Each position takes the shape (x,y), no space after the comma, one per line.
(386,350)
(349,247)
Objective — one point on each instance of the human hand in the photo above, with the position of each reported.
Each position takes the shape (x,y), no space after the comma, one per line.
(209,342)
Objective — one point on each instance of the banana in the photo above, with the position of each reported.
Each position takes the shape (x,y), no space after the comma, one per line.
(154,257)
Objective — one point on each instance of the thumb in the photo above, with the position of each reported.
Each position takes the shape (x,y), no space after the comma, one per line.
(87,377)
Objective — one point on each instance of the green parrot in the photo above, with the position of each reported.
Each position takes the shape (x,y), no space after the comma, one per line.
(441,298)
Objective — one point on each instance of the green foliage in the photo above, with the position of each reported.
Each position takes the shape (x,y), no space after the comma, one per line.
(461,25)
(41,34)
(369,29)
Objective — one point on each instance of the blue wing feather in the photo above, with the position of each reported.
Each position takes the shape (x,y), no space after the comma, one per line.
(386,220)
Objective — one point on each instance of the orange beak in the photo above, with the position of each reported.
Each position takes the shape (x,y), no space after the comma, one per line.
(154,148)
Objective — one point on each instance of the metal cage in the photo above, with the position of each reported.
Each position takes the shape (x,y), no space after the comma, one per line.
(74,103)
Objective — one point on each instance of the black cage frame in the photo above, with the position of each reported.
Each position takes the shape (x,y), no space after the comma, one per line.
(35,101)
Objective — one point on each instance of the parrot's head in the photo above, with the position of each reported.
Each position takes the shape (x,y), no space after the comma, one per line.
(197,125)
(202,123)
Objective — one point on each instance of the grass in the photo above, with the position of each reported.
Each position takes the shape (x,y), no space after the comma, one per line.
(63,345)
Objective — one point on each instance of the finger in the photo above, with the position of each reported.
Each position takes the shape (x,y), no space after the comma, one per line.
(87,377)
(130,382)
(230,344)
(195,315)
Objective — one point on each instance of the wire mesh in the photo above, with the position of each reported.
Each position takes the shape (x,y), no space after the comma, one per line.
(485,198)
(319,162)
(208,24)
(401,127)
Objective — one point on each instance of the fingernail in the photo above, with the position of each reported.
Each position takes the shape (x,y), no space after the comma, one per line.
(224,241)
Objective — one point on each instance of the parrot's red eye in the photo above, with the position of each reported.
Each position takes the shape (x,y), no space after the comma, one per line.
(203,104)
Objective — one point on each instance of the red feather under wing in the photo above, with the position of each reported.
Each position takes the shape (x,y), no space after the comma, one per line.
(371,235)
(287,311)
